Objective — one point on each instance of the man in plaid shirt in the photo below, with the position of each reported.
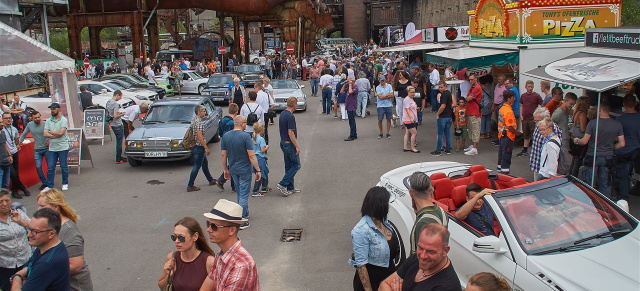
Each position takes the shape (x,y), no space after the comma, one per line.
(334,97)
(234,268)
(537,140)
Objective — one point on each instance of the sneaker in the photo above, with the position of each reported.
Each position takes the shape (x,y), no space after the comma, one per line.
(471,152)
(214,182)
(335,116)
(16,195)
(257,194)
(193,188)
(286,193)
(121,162)
(468,148)
(495,143)
(45,189)
(296,190)
(26,193)
(245,225)
(220,185)
(281,188)
(65,187)
(265,190)
(388,136)
(379,136)
(522,154)
(42,187)
(436,153)
(447,152)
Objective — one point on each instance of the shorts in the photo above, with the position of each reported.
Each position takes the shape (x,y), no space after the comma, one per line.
(464,135)
(527,128)
(382,111)
(473,123)
(411,125)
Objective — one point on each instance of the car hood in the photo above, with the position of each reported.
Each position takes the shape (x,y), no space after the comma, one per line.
(598,268)
(287,92)
(172,130)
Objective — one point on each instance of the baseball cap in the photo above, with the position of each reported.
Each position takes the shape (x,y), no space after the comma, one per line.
(54,105)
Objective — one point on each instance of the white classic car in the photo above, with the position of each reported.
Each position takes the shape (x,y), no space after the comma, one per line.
(557,234)
(40,102)
(283,89)
(109,86)
(193,82)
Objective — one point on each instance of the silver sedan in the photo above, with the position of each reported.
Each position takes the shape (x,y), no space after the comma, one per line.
(283,89)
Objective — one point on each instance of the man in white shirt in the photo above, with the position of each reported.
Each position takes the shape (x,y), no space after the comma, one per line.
(264,102)
(350,72)
(150,75)
(325,88)
(304,64)
(434,78)
(188,63)
(132,113)
(252,107)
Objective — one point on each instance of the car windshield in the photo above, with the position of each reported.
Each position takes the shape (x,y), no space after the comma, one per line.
(564,216)
(216,81)
(113,86)
(170,113)
(123,83)
(284,84)
(249,69)
(198,75)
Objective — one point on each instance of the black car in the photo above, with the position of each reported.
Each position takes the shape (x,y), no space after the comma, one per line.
(218,87)
(250,74)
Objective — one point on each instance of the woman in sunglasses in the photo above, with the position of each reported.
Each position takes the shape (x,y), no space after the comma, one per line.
(70,235)
(192,259)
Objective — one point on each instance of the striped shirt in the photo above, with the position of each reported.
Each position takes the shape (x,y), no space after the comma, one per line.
(334,82)
(537,141)
(425,216)
(197,125)
(235,270)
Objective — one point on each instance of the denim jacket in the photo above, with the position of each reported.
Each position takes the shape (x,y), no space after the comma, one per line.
(369,244)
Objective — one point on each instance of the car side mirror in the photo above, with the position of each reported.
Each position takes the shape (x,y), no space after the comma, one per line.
(301,86)
(488,244)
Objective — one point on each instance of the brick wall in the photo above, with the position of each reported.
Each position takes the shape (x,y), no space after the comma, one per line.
(442,13)
(355,20)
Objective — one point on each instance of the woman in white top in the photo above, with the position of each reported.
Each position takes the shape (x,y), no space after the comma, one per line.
(269,89)
(448,73)
(550,150)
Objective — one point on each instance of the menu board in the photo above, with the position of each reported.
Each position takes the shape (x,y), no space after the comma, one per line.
(94,123)
(74,136)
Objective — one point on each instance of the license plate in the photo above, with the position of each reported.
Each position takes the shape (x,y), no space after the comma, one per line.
(155,154)
(218,99)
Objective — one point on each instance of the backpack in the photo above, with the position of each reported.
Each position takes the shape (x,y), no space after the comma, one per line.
(252,117)
(564,159)
(225,125)
(189,140)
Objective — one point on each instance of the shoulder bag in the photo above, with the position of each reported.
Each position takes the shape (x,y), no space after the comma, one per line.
(169,285)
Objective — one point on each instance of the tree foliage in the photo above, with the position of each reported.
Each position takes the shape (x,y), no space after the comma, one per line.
(630,13)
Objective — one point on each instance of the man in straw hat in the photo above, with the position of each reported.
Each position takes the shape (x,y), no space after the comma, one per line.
(234,268)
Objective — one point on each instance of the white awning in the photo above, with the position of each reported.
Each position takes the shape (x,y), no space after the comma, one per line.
(411,47)
(21,54)
(594,69)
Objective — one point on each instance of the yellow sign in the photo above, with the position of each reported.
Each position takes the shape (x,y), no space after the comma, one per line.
(547,24)
(491,20)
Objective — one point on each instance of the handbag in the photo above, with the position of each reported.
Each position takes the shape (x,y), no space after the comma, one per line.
(169,285)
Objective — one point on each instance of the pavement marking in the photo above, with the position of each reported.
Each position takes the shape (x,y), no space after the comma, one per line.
(161,222)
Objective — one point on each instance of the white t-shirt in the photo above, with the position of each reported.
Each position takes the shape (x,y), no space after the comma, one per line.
(448,74)
(188,63)
(263,100)
(150,75)
(325,80)
(131,113)
(350,73)
(465,87)
(255,108)
(263,61)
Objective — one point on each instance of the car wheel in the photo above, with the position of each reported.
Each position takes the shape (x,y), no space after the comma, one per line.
(134,162)
(215,138)
(304,109)
(200,88)
(401,254)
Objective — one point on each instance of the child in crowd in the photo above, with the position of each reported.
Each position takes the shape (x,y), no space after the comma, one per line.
(460,123)
(260,148)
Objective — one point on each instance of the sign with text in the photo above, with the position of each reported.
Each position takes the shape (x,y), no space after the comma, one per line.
(614,39)
(74,137)
(491,20)
(453,33)
(567,23)
(428,35)
(94,123)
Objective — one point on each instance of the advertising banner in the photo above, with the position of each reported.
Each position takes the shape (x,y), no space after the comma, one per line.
(614,39)
(428,35)
(453,33)
(94,123)
(566,23)
(74,137)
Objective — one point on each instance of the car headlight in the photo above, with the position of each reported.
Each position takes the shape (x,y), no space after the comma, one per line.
(134,144)
(176,143)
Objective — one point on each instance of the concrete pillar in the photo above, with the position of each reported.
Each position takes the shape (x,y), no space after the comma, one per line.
(94,41)
(247,51)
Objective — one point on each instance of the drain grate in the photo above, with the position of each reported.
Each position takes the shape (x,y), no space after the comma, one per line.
(292,234)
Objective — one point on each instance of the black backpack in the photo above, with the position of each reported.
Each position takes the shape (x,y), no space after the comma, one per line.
(252,117)
(564,159)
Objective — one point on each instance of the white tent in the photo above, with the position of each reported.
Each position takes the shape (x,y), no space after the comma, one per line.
(21,54)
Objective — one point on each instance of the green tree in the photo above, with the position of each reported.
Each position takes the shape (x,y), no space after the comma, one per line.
(59,40)
(630,13)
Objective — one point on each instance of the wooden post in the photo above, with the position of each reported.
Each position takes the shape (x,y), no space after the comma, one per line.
(247,51)
(236,36)
(262,37)
(222,63)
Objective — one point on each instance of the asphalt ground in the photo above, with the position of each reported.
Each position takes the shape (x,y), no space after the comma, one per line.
(127,214)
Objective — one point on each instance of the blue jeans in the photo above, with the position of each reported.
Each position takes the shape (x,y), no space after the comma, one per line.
(119,132)
(485,124)
(52,159)
(314,86)
(623,169)
(291,164)
(326,100)
(444,128)
(243,183)
(602,174)
(264,175)
(222,180)
(434,100)
(419,116)
(199,161)
(363,97)
(352,124)
(5,176)
(38,154)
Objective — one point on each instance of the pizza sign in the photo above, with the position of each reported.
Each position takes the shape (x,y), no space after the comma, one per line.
(491,19)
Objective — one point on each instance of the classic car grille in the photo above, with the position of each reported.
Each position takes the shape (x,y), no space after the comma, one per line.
(218,94)
(157,145)
(282,100)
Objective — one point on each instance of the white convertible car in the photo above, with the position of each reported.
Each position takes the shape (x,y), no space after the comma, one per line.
(557,234)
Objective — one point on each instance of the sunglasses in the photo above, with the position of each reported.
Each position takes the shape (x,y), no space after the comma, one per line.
(179,237)
(215,227)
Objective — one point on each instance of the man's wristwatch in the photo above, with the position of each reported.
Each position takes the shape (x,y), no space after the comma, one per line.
(257,171)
